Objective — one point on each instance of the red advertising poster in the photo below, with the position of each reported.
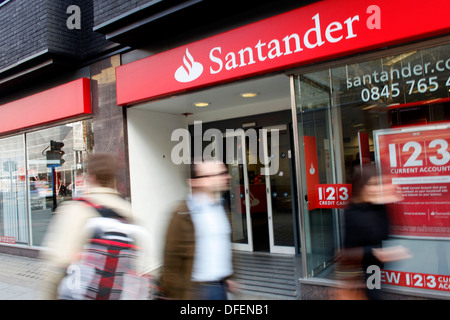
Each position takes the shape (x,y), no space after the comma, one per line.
(418,162)
(312,172)
(333,196)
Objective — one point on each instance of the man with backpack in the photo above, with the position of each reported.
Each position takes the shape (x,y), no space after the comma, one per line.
(95,248)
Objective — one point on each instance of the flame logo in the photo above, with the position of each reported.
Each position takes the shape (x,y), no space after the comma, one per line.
(312,170)
(253,201)
(190,71)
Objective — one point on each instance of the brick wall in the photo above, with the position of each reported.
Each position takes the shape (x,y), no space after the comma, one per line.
(81,43)
(105,10)
(29,27)
(22,30)
(60,38)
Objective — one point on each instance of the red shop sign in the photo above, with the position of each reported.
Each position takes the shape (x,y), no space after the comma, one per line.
(317,32)
(62,102)
(331,196)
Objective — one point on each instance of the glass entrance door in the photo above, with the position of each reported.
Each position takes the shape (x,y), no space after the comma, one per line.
(259,199)
(277,153)
(319,141)
(238,196)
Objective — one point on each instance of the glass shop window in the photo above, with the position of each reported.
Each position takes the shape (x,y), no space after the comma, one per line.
(393,112)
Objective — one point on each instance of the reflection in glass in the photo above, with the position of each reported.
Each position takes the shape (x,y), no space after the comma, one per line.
(315,121)
(13,212)
(334,105)
(237,193)
(281,200)
(52,181)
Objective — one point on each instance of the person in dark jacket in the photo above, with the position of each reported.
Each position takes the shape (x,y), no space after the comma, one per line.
(366,226)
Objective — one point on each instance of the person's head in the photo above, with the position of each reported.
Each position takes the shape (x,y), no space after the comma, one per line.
(209,177)
(366,185)
(369,186)
(102,169)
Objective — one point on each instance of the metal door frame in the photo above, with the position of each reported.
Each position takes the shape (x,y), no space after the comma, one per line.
(241,246)
(273,248)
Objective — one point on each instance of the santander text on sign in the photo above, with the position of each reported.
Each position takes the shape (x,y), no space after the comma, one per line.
(276,48)
(320,31)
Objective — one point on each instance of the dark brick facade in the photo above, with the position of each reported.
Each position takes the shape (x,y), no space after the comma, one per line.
(38,27)
(23,30)
(35,31)
(106,10)
(144,23)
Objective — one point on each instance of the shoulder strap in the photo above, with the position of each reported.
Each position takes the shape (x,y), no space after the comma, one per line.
(104,212)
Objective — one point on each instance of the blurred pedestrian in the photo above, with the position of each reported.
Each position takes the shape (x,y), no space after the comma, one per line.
(97,232)
(63,189)
(198,254)
(366,226)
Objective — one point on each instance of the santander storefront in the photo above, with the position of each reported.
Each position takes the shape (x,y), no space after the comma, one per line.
(362,81)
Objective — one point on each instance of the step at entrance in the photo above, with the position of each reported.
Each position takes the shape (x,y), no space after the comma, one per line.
(269,276)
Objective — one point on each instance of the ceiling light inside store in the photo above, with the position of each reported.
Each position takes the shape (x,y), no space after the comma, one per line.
(201,104)
(249,94)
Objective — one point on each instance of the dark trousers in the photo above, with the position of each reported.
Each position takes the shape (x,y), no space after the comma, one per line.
(212,290)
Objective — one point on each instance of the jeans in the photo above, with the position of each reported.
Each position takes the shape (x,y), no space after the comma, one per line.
(214,290)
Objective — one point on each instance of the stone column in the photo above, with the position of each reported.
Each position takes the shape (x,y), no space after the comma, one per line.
(109,119)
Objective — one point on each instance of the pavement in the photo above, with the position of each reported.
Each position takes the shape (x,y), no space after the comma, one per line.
(22,278)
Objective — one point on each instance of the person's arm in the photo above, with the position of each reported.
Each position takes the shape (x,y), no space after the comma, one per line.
(178,257)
